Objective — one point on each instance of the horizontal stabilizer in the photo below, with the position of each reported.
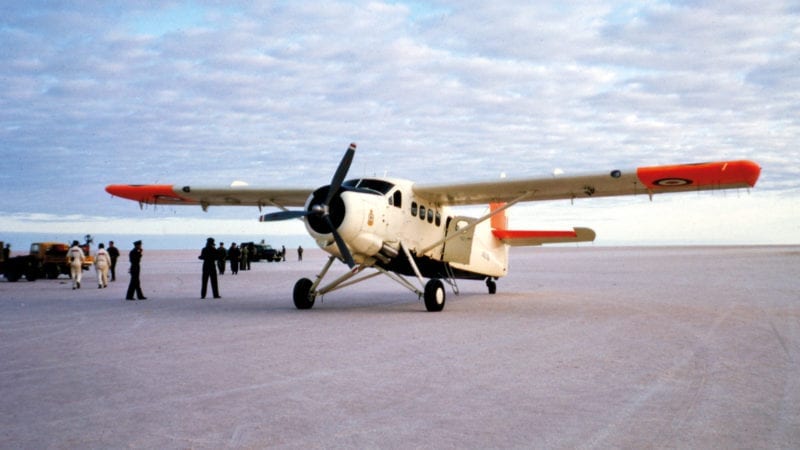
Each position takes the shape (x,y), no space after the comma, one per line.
(535,237)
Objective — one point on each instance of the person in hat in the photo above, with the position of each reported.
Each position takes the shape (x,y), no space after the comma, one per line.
(75,258)
(135,257)
(209,256)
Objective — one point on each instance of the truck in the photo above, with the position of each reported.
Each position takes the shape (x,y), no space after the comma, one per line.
(45,260)
(263,251)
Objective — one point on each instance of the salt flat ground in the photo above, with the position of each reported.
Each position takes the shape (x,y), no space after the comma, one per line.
(586,347)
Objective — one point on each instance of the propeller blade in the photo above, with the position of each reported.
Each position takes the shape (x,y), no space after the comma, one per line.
(348,258)
(341,172)
(282,215)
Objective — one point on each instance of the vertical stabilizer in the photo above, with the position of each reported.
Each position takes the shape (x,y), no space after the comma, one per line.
(499,220)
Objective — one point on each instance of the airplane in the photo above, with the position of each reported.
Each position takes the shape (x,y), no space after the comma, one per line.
(408,230)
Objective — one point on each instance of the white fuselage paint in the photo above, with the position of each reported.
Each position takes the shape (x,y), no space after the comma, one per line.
(373,221)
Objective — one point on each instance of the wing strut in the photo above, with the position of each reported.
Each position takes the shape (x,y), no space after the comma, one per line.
(483,218)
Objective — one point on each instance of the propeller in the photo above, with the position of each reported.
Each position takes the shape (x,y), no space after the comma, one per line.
(322,210)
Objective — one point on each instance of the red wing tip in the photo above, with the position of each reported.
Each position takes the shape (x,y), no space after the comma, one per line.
(146,193)
(722,173)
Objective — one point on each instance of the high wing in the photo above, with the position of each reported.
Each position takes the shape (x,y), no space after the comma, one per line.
(644,180)
(166,194)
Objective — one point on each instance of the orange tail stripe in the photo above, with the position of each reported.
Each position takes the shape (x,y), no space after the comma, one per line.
(731,173)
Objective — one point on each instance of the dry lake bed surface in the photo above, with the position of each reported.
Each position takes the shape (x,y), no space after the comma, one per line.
(587,347)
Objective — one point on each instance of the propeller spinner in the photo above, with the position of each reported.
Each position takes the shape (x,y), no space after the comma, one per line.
(322,210)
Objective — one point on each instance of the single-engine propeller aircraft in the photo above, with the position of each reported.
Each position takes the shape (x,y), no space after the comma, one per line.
(408,230)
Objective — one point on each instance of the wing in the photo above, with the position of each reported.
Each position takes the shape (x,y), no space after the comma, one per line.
(166,194)
(644,180)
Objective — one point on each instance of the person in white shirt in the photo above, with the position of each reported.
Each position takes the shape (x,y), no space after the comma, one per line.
(75,258)
(102,262)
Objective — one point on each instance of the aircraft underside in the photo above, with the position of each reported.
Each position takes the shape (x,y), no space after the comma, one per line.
(403,268)
(430,268)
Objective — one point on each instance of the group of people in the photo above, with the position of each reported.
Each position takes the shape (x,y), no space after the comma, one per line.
(214,260)
(239,257)
(105,262)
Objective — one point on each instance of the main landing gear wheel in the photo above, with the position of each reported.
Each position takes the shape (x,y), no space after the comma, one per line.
(434,295)
(303,297)
(491,285)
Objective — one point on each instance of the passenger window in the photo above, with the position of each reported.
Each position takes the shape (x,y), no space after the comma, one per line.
(438,219)
(430,216)
(413,209)
(398,199)
(421,212)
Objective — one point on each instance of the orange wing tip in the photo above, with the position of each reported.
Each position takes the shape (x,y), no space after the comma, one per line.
(726,174)
(149,193)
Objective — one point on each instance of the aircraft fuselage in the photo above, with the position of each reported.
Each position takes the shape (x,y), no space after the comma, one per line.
(378,218)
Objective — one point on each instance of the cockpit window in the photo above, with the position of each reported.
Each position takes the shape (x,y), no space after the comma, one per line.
(379,187)
(397,199)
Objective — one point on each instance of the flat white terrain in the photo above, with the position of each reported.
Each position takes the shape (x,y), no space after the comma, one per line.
(590,347)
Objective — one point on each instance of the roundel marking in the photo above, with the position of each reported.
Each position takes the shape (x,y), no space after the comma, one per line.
(672,182)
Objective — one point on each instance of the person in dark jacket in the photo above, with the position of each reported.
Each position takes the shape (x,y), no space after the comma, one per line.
(135,286)
(209,255)
(222,255)
(113,253)
(233,255)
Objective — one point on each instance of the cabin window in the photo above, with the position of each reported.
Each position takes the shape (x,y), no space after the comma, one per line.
(413,209)
(438,219)
(398,199)
(430,216)
(421,212)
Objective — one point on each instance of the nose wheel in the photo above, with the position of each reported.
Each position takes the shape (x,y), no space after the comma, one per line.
(303,297)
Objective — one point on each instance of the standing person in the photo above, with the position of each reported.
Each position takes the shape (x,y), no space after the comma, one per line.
(245,257)
(222,255)
(135,257)
(283,253)
(113,253)
(300,253)
(102,262)
(75,258)
(233,256)
(209,256)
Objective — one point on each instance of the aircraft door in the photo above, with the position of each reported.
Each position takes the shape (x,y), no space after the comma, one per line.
(459,248)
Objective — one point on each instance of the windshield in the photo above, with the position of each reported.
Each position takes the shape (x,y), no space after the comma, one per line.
(380,187)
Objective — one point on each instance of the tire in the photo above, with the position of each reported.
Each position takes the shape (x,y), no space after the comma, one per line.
(51,271)
(12,276)
(491,285)
(303,297)
(32,274)
(434,295)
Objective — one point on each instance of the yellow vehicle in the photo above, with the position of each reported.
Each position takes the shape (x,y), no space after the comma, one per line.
(45,260)
(51,258)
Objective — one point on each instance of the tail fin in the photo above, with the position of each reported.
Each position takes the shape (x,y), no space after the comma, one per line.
(499,220)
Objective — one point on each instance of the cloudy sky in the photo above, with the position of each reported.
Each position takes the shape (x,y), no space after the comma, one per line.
(193,92)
